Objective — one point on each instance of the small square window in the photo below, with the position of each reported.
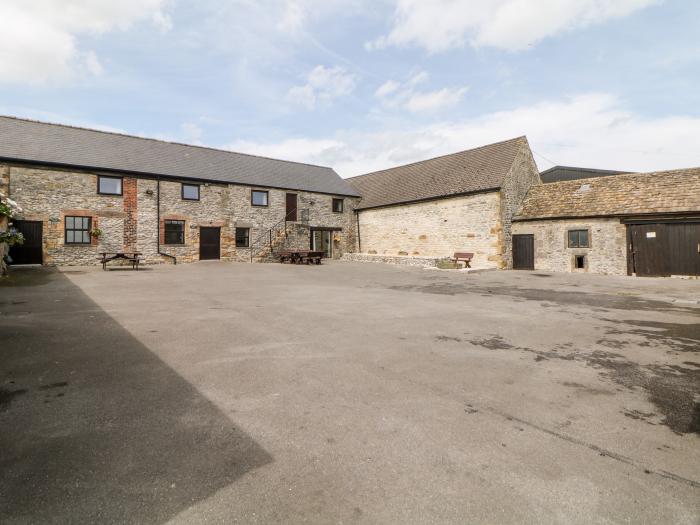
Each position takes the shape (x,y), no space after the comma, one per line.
(242,237)
(190,192)
(174,232)
(77,230)
(109,185)
(578,238)
(259,198)
(580,262)
(338,205)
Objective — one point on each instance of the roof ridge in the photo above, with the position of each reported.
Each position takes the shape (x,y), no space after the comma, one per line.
(599,170)
(160,140)
(438,157)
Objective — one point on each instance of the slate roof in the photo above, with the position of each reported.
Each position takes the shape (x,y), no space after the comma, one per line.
(474,170)
(560,173)
(33,141)
(658,192)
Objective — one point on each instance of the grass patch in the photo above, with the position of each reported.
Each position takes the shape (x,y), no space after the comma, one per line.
(447,264)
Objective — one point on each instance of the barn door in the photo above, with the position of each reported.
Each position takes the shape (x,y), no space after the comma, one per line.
(523,252)
(30,252)
(663,249)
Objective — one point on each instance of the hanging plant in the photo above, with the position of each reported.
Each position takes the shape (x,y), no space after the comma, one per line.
(8,207)
(96,232)
(11,237)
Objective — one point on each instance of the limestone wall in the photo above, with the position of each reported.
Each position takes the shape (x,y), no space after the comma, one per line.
(436,228)
(607,239)
(130,222)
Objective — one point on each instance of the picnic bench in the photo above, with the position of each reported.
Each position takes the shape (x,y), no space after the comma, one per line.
(133,257)
(464,257)
(301,256)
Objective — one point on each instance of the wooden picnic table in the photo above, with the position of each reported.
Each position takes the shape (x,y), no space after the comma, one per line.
(133,257)
(301,256)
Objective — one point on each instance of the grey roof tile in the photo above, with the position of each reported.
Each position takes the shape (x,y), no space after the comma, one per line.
(33,141)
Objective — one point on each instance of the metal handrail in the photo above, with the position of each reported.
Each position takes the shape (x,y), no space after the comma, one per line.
(267,236)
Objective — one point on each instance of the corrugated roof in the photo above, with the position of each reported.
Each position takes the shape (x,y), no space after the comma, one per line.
(670,191)
(474,170)
(34,141)
(560,173)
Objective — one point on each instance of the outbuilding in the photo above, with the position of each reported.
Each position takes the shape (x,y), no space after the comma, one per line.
(644,224)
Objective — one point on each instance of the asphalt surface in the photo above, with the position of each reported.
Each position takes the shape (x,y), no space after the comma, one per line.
(347,393)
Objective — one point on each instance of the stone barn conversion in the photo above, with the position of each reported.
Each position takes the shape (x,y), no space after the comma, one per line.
(645,224)
(85,191)
(462,202)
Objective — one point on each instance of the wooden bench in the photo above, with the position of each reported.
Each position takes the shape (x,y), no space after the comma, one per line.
(312,257)
(132,257)
(464,257)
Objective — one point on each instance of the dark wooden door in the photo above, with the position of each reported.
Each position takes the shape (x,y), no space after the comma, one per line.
(523,252)
(291,214)
(663,249)
(31,251)
(209,243)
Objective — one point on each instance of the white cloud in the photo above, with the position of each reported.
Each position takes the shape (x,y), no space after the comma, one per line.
(434,100)
(396,95)
(388,87)
(440,25)
(592,130)
(324,84)
(39,41)
(192,132)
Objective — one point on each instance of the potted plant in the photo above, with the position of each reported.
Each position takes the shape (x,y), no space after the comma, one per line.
(96,232)
(11,237)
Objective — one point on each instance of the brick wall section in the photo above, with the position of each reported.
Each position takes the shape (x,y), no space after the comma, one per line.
(607,238)
(436,228)
(522,176)
(130,221)
(129,189)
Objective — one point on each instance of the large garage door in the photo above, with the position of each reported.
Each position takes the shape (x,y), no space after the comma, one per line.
(663,249)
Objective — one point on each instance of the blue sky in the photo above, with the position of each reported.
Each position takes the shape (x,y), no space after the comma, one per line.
(362,85)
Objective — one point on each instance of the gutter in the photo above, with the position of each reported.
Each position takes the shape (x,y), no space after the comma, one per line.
(158,224)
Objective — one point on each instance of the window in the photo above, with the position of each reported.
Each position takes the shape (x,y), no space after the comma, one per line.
(580,262)
(77,230)
(174,232)
(578,239)
(338,205)
(242,237)
(190,192)
(258,198)
(109,185)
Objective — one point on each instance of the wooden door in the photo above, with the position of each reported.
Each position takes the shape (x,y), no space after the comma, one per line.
(291,214)
(663,249)
(30,252)
(209,243)
(524,252)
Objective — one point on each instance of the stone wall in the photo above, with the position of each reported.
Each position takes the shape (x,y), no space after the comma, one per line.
(521,177)
(130,222)
(437,228)
(607,240)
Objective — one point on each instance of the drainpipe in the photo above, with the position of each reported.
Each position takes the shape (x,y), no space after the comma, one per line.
(158,223)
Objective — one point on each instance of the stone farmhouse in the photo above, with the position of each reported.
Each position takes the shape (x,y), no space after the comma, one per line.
(85,191)
(460,202)
(168,201)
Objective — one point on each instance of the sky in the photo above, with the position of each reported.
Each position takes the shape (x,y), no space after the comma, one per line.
(362,85)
